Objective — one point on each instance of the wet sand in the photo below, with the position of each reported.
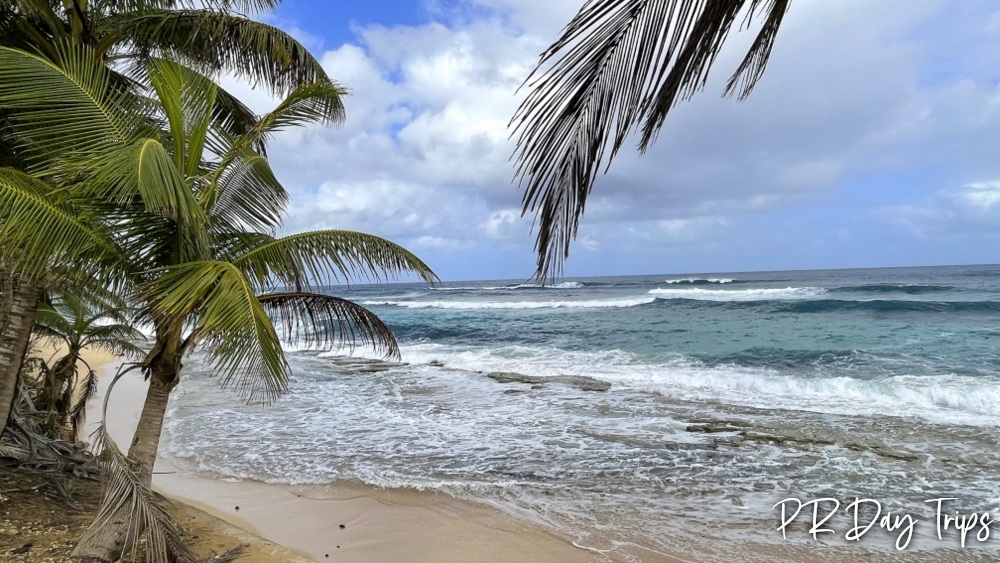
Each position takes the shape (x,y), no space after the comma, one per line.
(342,522)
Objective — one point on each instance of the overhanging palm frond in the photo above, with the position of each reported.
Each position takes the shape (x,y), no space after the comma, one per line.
(29,206)
(618,66)
(242,342)
(66,106)
(324,321)
(217,41)
(323,257)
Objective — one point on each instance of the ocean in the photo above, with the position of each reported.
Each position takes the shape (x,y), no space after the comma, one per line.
(648,414)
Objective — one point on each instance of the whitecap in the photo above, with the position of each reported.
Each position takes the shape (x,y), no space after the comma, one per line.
(758,294)
(476,305)
(700,280)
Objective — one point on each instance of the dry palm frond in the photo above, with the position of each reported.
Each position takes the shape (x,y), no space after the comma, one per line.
(126,496)
(619,66)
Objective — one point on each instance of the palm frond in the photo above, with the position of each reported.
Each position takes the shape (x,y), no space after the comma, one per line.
(324,257)
(69,105)
(145,169)
(220,41)
(29,206)
(233,119)
(51,323)
(124,495)
(116,339)
(245,193)
(307,104)
(324,321)
(188,99)
(231,324)
(619,65)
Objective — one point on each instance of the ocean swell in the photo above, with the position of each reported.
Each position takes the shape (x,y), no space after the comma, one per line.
(484,305)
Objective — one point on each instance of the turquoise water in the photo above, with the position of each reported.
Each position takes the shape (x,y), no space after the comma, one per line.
(645,413)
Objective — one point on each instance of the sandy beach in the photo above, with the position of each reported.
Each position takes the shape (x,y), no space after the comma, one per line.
(356,523)
(342,523)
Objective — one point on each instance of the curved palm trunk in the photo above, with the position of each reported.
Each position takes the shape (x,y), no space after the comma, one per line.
(20,302)
(107,541)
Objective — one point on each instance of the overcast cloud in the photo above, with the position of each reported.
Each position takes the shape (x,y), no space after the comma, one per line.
(872,140)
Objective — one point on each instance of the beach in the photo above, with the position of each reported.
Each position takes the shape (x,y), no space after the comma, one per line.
(357,524)
(644,418)
(464,460)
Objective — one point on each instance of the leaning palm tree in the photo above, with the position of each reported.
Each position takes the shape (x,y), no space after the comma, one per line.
(71,324)
(618,67)
(210,35)
(191,213)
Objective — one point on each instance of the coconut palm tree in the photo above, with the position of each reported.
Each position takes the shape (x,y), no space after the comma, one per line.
(619,67)
(71,324)
(211,35)
(190,213)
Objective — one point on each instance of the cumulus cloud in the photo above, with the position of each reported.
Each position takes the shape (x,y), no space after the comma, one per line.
(855,89)
(954,212)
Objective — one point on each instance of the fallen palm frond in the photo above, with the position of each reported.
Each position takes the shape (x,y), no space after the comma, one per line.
(128,501)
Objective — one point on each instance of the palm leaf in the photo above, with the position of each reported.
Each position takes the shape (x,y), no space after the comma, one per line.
(619,64)
(325,257)
(71,105)
(220,41)
(238,335)
(188,100)
(245,194)
(118,339)
(324,321)
(145,169)
(29,206)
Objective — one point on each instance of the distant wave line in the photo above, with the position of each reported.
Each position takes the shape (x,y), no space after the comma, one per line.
(478,305)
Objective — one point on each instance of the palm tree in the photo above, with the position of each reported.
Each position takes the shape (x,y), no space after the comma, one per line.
(190,213)
(618,67)
(211,35)
(76,324)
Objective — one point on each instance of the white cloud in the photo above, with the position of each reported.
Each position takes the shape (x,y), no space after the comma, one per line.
(970,209)
(854,89)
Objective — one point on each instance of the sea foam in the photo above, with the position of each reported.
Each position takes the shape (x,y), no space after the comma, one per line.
(939,398)
(760,294)
(699,281)
(477,305)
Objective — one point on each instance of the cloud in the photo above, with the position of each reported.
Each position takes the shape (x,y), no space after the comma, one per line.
(973,209)
(855,90)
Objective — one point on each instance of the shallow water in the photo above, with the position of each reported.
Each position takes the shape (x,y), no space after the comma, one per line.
(728,393)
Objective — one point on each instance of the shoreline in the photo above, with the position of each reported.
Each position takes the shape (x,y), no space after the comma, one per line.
(378,525)
(299,523)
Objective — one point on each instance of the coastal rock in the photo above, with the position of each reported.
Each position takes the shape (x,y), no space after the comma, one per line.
(581,382)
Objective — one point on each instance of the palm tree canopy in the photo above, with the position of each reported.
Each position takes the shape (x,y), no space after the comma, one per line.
(190,211)
(81,323)
(212,35)
(618,67)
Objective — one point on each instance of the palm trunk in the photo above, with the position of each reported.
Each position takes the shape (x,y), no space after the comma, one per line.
(107,542)
(19,297)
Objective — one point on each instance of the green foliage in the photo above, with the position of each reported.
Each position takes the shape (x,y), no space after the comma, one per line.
(63,384)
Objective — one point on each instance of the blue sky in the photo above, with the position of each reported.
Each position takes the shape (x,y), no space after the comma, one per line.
(873,140)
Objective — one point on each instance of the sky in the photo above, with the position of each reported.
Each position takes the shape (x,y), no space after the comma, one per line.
(872,140)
